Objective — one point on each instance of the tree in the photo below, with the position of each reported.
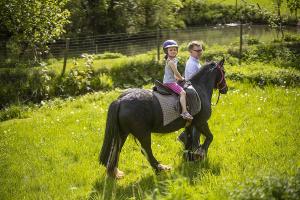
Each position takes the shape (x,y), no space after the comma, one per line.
(293,6)
(277,21)
(159,13)
(33,23)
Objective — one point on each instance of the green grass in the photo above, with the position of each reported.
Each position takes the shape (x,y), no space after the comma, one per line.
(53,153)
(99,62)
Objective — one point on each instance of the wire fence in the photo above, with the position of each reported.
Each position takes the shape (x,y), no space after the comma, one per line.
(141,42)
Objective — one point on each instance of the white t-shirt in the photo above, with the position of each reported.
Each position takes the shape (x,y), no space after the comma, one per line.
(192,66)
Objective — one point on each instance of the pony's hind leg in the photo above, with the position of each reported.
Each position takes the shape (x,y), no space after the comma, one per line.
(115,172)
(147,151)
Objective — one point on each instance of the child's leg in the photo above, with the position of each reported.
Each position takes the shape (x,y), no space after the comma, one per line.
(179,90)
(185,114)
(183,101)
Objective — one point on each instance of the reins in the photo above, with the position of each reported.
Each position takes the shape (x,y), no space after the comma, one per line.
(217,99)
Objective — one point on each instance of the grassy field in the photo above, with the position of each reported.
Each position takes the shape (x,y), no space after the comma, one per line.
(52,153)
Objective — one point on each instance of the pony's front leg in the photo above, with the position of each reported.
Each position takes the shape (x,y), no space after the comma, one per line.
(208,136)
(147,151)
(186,138)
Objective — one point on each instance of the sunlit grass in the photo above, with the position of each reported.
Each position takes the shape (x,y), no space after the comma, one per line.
(99,63)
(54,152)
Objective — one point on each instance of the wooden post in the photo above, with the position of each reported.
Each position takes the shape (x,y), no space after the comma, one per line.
(65,56)
(158,43)
(241,43)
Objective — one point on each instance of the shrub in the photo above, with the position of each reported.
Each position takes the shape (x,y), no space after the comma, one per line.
(12,112)
(269,187)
(282,54)
(252,41)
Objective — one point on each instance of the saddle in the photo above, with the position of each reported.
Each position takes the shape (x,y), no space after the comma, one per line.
(170,103)
(160,88)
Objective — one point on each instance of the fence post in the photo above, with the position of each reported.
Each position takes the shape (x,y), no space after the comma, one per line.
(241,43)
(158,43)
(65,56)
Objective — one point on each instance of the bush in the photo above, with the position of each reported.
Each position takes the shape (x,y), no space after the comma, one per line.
(264,74)
(282,54)
(269,187)
(252,41)
(13,112)
(21,85)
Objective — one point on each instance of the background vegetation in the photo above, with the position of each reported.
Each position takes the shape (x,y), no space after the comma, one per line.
(102,72)
(28,27)
(52,126)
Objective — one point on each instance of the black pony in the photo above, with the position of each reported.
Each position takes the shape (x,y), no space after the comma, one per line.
(137,111)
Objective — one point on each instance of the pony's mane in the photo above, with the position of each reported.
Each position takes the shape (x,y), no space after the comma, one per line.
(203,70)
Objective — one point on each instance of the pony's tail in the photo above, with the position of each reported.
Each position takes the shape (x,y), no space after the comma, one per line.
(109,154)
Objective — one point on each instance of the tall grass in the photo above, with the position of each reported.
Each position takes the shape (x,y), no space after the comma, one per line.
(53,153)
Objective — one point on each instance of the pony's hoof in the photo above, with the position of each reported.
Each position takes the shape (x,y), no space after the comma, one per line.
(199,154)
(162,167)
(117,174)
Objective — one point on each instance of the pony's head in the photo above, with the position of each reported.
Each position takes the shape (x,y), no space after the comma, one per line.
(216,69)
(221,82)
(220,79)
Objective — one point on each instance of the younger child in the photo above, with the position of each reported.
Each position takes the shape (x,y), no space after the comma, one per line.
(171,74)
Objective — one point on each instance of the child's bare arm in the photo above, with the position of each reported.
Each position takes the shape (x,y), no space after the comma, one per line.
(174,69)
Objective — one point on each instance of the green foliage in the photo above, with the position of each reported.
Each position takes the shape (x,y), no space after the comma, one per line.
(264,74)
(32,24)
(90,73)
(78,81)
(22,85)
(122,16)
(252,41)
(197,12)
(200,12)
(136,73)
(108,55)
(281,54)
(291,38)
(269,187)
(293,6)
(13,112)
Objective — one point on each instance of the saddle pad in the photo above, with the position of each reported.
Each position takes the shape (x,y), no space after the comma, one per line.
(170,107)
(168,104)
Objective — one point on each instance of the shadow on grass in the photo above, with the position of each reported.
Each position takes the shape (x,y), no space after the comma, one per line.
(148,186)
(108,188)
(195,171)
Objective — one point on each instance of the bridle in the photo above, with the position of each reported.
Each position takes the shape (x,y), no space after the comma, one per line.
(222,82)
